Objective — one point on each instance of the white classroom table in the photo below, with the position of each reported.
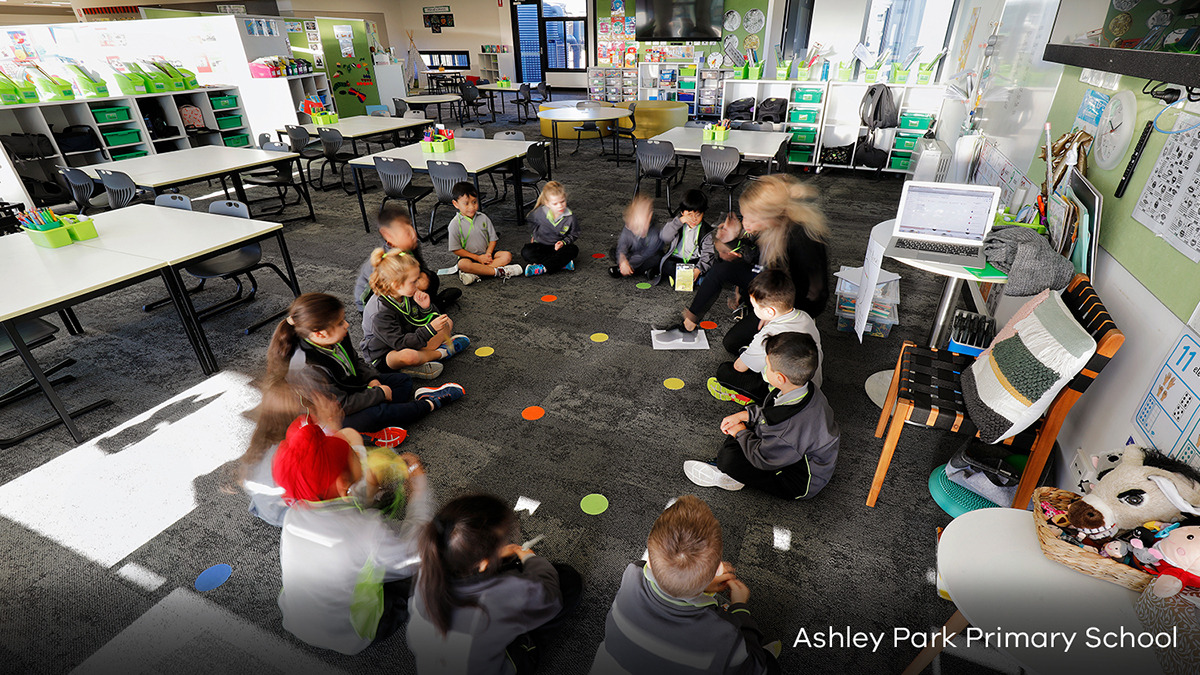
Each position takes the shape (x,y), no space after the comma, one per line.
(493,89)
(422,100)
(755,146)
(181,167)
(573,114)
(478,155)
(995,572)
(362,126)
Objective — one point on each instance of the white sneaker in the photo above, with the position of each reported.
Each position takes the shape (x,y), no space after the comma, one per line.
(513,270)
(706,474)
(467,278)
(426,371)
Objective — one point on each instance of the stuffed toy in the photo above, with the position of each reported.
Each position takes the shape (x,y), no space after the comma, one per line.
(1145,486)
(1180,565)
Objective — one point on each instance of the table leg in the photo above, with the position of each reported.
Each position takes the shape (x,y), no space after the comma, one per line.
(187,316)
(554,139)
(945,310)
(515,169)
(492,104)
(957,624)
(14,334)
(287,262)
(303,186)
(239,189)
(358,191)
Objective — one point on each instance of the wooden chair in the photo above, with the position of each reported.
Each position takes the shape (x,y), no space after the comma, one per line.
(926,389)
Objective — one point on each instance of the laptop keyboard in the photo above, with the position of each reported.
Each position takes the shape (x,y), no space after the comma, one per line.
(933,247)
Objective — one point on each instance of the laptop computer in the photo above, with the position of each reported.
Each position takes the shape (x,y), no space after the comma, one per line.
(944,223)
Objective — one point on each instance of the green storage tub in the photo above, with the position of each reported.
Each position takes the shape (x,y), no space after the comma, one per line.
(237,140)
(915,121)
(56,238)
(803,156)
(807,135)
(803,115)
(104,115)
(118,156)
(807,96)
(900,161)
(223,102)
(905,142)
(229,122)
(123,137)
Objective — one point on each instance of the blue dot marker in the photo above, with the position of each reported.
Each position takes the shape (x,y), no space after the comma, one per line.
(213,577)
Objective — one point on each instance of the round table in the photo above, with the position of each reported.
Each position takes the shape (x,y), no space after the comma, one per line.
(655,117)
(575,115)
(431,99)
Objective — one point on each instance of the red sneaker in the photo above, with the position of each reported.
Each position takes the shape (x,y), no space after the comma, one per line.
(388,437)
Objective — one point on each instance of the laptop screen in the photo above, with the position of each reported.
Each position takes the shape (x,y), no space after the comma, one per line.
(946,210)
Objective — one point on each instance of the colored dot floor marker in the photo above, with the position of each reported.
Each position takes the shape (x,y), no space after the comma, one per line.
(673,383)
(708,325)
(216,575)
(644,285)
(533,412)
(484,351)
(594,504)
(599,337)
(549,298)
(597,256)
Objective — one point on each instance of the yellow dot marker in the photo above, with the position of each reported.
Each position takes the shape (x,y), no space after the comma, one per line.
(599,337)
(673,383)
(484,351)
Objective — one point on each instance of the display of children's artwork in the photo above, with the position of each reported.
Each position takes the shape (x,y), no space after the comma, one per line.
(310,25)
(294,26)
(618,7)
(630,27)
(602,29)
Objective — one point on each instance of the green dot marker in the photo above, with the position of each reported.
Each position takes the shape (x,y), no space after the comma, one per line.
(644,285)
(594,504)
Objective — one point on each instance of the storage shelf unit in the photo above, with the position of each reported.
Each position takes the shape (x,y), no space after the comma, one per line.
(493,66)
(834,120)
(699,87)
(613,84)
(41,118)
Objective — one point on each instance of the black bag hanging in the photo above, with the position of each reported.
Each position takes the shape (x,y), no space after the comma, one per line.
(27,146)
(866,154)
(77,139)
(44,192)
(878,109)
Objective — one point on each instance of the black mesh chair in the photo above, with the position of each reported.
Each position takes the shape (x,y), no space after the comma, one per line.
(303,117)
(523,100)
(119,186)
(444,176)
(538,157)
(472,103)
(621,131)
(81,187)
(336,155)
(720,164)
(396,176)
(543,91)
(654,161)
(280,178)
(587,126)
(298,143)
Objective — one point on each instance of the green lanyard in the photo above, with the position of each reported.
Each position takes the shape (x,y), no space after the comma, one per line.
(408,312)
(554,223)
(460,234)
(684,251)
(339,354)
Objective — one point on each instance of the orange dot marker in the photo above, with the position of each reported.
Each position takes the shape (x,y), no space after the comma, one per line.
(549,298)
(708,325)
(533,412)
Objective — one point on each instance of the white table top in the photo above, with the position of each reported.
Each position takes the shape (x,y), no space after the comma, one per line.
(430,98)
(882,233)
(171,235)
(364,125)
(572,114)
(756,145)
(516,86)
(441,72)
(998,577)
(476,154)
(182,166)
(36,277)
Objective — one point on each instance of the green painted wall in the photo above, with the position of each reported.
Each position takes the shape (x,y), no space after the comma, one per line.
(348,75)
(1167,273)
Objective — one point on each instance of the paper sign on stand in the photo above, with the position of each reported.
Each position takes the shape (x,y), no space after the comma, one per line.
(866,289)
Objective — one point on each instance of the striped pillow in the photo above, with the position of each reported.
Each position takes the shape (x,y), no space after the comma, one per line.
(1037,353)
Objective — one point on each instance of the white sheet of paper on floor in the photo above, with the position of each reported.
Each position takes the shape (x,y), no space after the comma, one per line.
(866,289)
(677,340)
(685,277)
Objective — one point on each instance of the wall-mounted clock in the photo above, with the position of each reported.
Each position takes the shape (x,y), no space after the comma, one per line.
(1115,130)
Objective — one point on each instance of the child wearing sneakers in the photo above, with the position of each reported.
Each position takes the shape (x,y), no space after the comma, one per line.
(665,618)
(552,247)
(771,296)
(472,238)
(402,331)
(398,233)
(786,447)
(689,240)
(639,249)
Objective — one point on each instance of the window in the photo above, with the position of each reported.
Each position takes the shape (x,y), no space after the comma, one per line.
(797,22)
(565,24)
(452,60)
(899,26)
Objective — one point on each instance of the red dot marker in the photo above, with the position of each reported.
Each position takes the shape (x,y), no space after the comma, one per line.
(708,325)
(533,412)
(597,256)
(549,298)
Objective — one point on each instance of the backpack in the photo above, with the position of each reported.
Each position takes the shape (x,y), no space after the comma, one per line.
(193,119)
(772,110)
(878,109)
(77,138)
(741,109)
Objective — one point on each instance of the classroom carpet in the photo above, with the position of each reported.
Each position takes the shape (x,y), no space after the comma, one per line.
(101,542)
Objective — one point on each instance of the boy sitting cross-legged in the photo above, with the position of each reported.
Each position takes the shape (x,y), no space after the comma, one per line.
(472,238)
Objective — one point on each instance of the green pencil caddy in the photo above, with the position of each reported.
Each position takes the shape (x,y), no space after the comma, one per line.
(845,74)
(802,73)
(924,75)
(872,74)
(899,76)
(784,71)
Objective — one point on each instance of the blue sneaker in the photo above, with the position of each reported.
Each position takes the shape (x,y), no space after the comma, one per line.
(457,344)
(440,396)
(534,270)
(570,266)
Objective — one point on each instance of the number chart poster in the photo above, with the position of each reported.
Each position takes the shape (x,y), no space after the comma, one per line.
(1167,416)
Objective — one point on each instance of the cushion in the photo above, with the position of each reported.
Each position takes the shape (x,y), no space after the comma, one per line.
(1015,380)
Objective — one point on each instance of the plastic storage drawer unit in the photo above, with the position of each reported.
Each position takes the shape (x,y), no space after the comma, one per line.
(905,142)
(804,135)
(237,140)
(104,115)
(118,156)
(801,156)
(806,96)
(223,102)
(229,122)
(803,115)
(900,161)
(915,121)
(123,137)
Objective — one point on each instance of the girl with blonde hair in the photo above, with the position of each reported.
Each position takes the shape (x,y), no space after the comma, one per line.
(552,246)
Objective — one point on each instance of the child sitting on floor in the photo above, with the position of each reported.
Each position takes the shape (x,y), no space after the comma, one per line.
(665,618)
(346,570)
(482,605)
(312,349)
(786,447)
(639,248)
(402,331)
(688,238)
(472,238)
(398,233)
(552,247)
(771,297)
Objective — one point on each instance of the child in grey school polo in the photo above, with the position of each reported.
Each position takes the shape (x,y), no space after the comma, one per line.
(470,234)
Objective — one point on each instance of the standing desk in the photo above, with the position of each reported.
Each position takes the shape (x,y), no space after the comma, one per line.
(755,146)
(181,167)
(493,90)
(993,567)
(354,128)
(570,114)
(478,155)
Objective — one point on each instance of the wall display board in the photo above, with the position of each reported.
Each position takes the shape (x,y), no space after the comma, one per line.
(348,62)
(1166,418)
(616,28)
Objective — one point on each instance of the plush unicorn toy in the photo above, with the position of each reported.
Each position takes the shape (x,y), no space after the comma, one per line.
(1145,486)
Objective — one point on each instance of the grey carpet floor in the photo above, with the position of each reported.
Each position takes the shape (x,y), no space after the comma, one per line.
(610,427)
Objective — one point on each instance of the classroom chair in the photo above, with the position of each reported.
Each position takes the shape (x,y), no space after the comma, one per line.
(926,389)
(621,131)
(471,104)
(298,143)
(400,106)
(444,176)
(470,132)
(279,176)
(335,153)
(413,134)
(173,201)
(396,175)
(543,91)
(523,100)
(82,187)
(720,164)
(383,138)
(588,126)
(119,186)
(653,160)
(538,157)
